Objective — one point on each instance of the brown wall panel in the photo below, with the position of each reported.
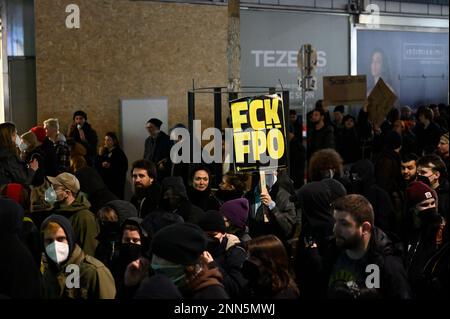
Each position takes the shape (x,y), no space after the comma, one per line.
(127,49)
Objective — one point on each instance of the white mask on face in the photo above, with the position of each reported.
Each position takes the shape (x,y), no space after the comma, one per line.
(23,147)
(18,141)
(57,251)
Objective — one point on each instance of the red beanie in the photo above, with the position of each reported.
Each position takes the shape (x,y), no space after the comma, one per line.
(417,192)
(14,191)
(39,131)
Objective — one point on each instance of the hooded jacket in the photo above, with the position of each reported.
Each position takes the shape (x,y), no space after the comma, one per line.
(315,199)
(83,221)
(127,253)
(19,276)
(188,211)
(109,239)
(124,209)
(95,281)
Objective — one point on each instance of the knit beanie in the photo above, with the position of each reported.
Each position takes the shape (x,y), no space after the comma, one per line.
(236,211)
(39,131)
(418,192)
(180,243)
(212,221)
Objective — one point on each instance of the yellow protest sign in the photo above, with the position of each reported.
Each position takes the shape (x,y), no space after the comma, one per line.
(259,133)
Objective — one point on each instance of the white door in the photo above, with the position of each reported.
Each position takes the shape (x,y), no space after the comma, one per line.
(134,114)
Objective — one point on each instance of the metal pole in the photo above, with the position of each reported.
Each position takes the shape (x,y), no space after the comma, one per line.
(218,124)
(286,119)
(191,116)
(304,111)
(233,46)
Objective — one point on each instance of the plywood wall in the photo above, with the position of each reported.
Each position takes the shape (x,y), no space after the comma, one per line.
(127,49)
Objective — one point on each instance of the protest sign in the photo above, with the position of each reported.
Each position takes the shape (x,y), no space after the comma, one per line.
(381,99)
(346,89)
(259,133)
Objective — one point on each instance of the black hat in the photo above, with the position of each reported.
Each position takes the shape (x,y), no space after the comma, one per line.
(180,243)
(159,219)
(155,122)
(212,221)
(65,225)
(80,113)
(339,108)
(393,140)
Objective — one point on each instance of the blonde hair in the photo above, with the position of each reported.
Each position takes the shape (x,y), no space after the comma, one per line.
(52,122)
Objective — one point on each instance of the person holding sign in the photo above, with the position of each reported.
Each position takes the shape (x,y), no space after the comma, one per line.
(271,211)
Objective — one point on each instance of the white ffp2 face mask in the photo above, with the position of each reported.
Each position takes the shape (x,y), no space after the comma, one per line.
(23,147)
(57,251)
(18,140)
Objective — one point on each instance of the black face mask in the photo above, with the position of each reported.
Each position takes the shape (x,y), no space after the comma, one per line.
(129,253)
(429,221)
(109,230)
(429,216)
(423,179)
(214,246)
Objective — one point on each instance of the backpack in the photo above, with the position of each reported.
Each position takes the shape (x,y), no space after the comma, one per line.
(37,197)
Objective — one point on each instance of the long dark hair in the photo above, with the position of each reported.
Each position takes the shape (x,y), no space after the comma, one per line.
(270,251)
(7,129)
(385,68)
(113,136)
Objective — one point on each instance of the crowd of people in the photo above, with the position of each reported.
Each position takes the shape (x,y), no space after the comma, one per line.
(360,214)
